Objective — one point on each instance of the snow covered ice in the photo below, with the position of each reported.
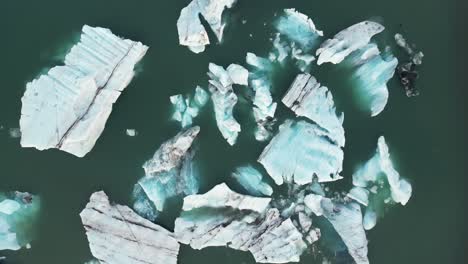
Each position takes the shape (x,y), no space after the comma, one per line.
(252,181)
(68,107)
(169,173)
(118,235)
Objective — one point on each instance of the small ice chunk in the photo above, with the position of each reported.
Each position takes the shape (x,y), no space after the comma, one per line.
(306,97)
(252,181)
(301,151)
(116,234)
(131,132)
(191,31)
(68,107)
(169,173)
(186,109)
(314,203)
(346,41)
(370,219)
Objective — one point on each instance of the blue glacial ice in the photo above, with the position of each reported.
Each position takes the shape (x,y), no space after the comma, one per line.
(346,41)
(18,214)
(252,181)
(222,217)
(191,31)
(300,152)
(306,97)
(171,172)
(186,108)
(68,107)
(378,185)
(371,72)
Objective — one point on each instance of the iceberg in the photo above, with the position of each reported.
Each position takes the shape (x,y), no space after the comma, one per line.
(252,181)
(169,173)
(186,109)
(306,97)
(191,31)
(300,152)
(222,217)
(372,70)
(67,108)
(18,214)
(378,184)
(346,41)
(118,235)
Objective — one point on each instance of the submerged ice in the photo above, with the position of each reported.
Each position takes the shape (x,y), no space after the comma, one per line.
(68,107)
(169,173)
(252,181)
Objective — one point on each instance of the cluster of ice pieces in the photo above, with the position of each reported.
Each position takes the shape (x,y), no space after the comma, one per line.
(191,31)
(252,181)
(186,109)
(18,213)
(67,108)
(407,71)
(117,235)
(169,173)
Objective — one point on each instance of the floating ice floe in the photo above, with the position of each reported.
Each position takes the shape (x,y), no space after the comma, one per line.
(118,235)
(170,173)
(306,97)
(224,98)
(222,217)
(346,41)
(301,151)
(186,109)
(378,184)
(371,72)
(252,181)
(67,108)
(191,31)
(407,70)
(18,213)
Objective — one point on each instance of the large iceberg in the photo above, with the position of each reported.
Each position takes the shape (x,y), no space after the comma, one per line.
(371,72)
(191,31)
(222,217)
(117,235)
(186,109)
(252,181)
(346,41)
(67,108)
(301,151)
(18,214)
(378,184)
(306,97)
(169,173)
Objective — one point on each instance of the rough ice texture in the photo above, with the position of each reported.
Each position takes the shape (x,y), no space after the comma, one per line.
(191,31)
(371,72)
(252,181)
(67,108)
(222,217)
(117,235)
(306,97)
(346,41)
(18,213)
(169,173)
(186,108)
(301,151)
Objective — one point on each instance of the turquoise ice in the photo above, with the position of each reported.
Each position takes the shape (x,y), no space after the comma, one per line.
(186,108)
(252,181)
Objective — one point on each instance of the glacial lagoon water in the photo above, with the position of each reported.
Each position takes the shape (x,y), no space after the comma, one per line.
(425,133)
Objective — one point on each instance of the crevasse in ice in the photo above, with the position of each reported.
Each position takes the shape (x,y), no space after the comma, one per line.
(252,181)
(186,108)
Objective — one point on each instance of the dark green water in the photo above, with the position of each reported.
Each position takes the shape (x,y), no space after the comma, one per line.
(426,134)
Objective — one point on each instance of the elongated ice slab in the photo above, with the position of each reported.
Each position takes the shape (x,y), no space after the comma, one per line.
(346,41)
(306,97)
(67,108)
(252,181)
(170,173)
(301,151)
(191,31)
(18,214)
(186,109)
(222,217)
(117,235)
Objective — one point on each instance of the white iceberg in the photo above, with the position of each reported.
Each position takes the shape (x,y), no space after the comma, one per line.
(346,41)
(306,97)
(118,235)
(67,108)
(300,152)
(169,173)
(252,181)
(222,217)
(191,31)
